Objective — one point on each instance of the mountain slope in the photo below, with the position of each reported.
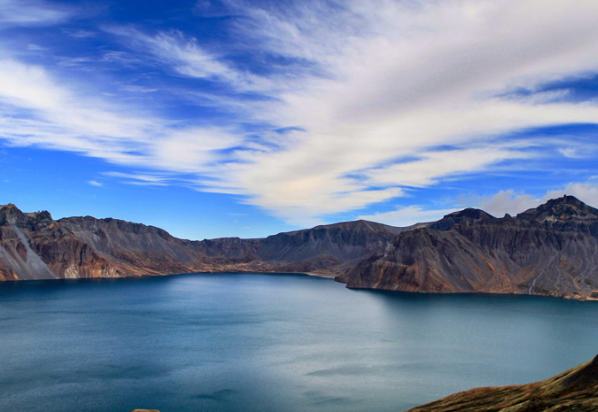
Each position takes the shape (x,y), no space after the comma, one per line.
(34,246)
(574,390)
(551,250)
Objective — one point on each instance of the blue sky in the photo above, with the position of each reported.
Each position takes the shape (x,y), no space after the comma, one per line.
(247,118)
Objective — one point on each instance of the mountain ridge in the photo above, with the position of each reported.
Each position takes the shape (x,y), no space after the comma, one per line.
(34,246)
(549,250)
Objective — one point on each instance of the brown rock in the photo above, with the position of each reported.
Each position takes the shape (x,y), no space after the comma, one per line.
(574,390)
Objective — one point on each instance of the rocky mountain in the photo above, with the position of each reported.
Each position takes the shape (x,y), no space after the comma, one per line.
(550,250)
(34,246)
(574,390)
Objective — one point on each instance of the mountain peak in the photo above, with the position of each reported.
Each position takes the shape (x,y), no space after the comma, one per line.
(463,217)
(10,214)
(566,208)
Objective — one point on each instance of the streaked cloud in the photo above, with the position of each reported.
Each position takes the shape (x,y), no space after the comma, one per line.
(185,56)
(37,110)
(80,34)
(383,96)
(32,12)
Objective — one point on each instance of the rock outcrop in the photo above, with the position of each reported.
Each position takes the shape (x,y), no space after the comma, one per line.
(551,250)
(574,390)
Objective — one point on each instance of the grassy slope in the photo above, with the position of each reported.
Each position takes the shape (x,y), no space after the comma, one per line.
(574,390)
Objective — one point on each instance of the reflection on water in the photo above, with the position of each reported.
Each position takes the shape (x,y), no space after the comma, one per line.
(270,342)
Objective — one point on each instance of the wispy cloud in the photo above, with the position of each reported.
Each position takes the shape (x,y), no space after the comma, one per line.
(406,78)
(377,96)
(95,183)
(31,12)
(142,179)
(37,110)
(408,216)
(188,58)
(431,167)
(80,34)
(138,89)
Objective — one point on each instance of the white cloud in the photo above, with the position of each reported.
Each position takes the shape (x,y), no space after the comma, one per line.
(31,12)
(572,153)
(141,179)
(393,94)
(36,110)
(405,79)
(80,34)
(585,191)
(408,216)
(35,47)
(188,58)
(513,203)
(508,201)
(434,166)
(95,183)
(138,89)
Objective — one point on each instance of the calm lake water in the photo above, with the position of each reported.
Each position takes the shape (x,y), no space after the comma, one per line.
(270,343)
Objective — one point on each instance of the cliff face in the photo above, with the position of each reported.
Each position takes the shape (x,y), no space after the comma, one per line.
(574,390)
(551,250)
(34,246)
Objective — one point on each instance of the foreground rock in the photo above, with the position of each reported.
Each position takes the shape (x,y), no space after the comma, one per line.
(574,390)
(550,250)
(34,246)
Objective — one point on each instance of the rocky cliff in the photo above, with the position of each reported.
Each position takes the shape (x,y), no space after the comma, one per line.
(574,390)
(34,246)
(550,250)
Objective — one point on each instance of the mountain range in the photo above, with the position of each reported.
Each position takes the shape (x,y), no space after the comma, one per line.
(550,250)
(34,246)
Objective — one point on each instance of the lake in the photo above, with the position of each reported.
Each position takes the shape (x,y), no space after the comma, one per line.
(253,342)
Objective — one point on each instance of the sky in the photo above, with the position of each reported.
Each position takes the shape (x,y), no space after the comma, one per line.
(251,117)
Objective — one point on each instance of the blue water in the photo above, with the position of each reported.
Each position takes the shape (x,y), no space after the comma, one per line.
(270,343)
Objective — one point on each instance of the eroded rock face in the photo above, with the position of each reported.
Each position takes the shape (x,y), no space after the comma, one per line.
(551,250)
(34,246)
(574,390)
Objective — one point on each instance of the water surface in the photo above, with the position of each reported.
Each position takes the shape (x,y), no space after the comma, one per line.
(287,343)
